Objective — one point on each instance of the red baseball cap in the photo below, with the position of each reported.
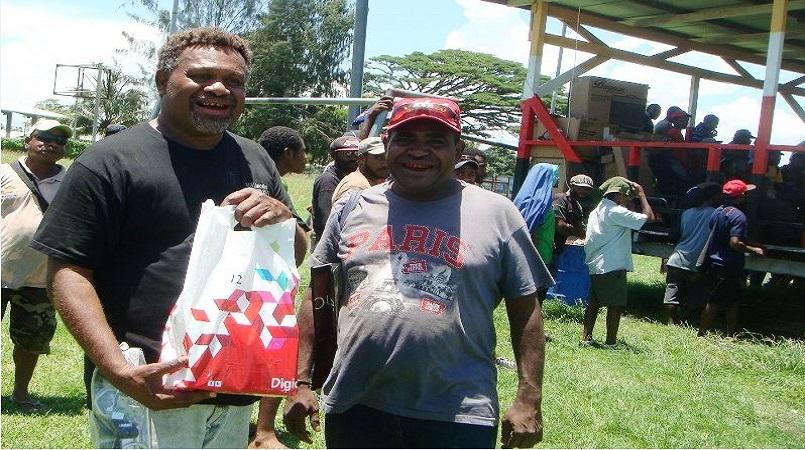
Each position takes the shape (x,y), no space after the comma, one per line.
(439,109)
(734,188)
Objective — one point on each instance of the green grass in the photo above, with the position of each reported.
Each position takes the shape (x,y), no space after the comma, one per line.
(664,387)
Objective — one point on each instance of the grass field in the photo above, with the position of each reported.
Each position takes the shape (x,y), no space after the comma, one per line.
(663,387)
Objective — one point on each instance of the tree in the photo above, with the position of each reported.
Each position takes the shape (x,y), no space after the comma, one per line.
(489,88)
(236,16)
(298,49)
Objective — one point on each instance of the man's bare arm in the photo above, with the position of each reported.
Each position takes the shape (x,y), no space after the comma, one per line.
(74,296)
(522,422)
(304,403)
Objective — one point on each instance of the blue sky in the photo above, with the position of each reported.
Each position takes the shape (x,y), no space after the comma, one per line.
(36,35)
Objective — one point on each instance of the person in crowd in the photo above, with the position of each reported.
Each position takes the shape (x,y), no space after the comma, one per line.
(467,169)
(481,159)
(344,151)
(608,253)
(119,233)
(113,128)
(287,149)
(424,260)
(572,208)
(683,284)
(535,202)
(724,258)
(372,169)
(793,186)
(669,166)
(652,113)
(706,130)
(735,163)
(29,185)
(366,120)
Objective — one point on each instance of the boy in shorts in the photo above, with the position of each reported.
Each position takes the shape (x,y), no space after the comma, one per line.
(608,253)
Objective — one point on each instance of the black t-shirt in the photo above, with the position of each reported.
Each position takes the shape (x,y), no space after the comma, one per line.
(323,189)
(128,208)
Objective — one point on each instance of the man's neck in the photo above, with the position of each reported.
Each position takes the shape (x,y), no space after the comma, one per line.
(42,169)
(193,140)
(371,179)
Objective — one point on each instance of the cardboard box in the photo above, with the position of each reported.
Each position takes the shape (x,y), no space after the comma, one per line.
(576,129)
(593,97)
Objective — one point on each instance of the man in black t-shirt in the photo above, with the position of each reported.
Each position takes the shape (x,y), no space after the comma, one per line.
(344,152)
(119,232)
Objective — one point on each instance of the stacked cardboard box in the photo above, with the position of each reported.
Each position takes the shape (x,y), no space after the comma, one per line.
(593,98)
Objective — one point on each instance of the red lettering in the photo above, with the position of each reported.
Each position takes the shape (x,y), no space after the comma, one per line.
(384,240)
(436,248)
(415,238)
(354,241)
(453,256)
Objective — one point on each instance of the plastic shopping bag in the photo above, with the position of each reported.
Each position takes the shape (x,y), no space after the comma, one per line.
(235,316)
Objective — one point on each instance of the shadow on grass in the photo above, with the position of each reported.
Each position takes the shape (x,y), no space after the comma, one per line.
(54,404)
(768,312)
(284,437)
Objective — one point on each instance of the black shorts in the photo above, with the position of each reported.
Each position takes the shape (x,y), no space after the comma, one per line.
(685,288)
(725,286)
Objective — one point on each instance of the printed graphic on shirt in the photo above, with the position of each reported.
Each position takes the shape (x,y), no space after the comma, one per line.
(419,270)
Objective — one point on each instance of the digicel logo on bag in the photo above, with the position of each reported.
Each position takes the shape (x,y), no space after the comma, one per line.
(283,384)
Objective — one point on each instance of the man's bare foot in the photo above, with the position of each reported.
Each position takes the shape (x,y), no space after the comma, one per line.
(266,440)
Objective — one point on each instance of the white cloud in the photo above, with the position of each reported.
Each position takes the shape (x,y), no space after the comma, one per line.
(488,27)
(36,38)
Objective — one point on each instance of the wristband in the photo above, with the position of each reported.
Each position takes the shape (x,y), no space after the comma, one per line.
(308,383)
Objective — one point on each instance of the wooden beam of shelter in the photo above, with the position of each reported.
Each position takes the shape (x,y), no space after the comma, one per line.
(670,53)
(760,38)
(710,14)
(796,81)
(559,81)
(794,104)
(637,58)
(665,37)
(738,68)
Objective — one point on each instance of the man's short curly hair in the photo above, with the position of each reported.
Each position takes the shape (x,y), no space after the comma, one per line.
(276,139)
(201,37)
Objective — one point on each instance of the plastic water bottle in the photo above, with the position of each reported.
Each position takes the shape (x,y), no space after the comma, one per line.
(119,421)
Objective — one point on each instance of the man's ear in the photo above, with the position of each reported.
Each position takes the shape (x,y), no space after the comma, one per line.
(161,79)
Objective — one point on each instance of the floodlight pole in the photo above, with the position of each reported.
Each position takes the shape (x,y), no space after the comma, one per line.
(97,114)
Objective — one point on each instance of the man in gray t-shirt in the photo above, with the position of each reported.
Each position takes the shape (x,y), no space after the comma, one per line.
(682,286)
(425,259)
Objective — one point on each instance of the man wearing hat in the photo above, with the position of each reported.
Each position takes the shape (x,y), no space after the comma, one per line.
(344,151)
(467,169)
(572,208)
(724,259)
(28,186)
(424,261)
(683,286)
(608,253)
(372,169)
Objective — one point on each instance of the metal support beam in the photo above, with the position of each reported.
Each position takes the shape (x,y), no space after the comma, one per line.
(774,56)
(8,124)
(693,100)
(709,14)
(796,81)
(662,64)
(358,47)
(537,35)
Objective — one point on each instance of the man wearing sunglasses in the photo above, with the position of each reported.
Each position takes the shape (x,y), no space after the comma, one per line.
(28,186)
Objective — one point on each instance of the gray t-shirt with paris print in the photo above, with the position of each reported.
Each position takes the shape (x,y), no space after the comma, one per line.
(421,280)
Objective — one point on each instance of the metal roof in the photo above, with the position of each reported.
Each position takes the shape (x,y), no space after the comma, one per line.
(735,29)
